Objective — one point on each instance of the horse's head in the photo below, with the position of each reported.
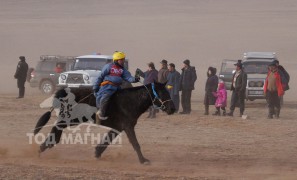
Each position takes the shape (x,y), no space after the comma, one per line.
(162,98)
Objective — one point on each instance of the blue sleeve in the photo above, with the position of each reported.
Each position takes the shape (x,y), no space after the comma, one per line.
(105,71)
(127,76)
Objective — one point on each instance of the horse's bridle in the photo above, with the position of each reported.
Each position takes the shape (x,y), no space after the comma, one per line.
(156,97)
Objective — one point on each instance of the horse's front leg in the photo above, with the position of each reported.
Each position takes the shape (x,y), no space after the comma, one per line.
(53,138)
(133,140)
(105,141)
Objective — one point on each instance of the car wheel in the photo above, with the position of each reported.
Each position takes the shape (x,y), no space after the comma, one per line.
(47,87)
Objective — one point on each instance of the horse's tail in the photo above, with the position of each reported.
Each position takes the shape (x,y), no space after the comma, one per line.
(42,121)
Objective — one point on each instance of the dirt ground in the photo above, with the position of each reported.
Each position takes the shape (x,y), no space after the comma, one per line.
(179,147)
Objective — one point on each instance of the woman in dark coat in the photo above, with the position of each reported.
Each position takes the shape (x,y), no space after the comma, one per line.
(150,76)
(210,87)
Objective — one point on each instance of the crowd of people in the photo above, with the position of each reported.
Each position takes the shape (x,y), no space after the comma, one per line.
(112,74)
(215,91)
(175,82)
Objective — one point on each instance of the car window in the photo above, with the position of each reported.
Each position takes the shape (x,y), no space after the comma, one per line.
(47,66)
(228,66)
(90,63)
(256,67)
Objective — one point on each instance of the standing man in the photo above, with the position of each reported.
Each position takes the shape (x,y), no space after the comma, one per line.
(21,75)
(163,72)
(109,82)
(238,88)
(172,85)
(150,76)
(273,90)
(187,81)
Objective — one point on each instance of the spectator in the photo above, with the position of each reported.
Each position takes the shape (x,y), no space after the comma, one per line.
(221,101)
(238,88)
(21,75)
(150,76)
(273,90)
(172,85)
(285,77)
(163,72)
(187,81)
(210,87)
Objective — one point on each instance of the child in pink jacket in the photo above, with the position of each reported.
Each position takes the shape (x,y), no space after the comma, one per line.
(221,101)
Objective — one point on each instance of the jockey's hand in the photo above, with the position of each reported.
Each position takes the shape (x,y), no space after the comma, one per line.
(137,79)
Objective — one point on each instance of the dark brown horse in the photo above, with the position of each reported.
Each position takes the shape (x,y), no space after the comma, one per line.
(125,107)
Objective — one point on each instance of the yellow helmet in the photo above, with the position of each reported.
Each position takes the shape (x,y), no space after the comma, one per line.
(118,55)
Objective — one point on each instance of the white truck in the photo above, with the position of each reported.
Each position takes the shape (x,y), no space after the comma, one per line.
(85,71)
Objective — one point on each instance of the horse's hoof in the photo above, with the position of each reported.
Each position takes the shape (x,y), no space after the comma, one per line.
(97,156)
(146,162)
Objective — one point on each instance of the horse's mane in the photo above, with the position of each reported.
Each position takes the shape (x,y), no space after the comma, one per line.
(135,88)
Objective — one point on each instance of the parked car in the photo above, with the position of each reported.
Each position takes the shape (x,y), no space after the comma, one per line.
(255,64)
(47,71)
(86,70)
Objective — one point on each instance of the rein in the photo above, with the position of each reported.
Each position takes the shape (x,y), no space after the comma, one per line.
(156,97)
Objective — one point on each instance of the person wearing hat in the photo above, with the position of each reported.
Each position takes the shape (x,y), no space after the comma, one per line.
(150,76)
(172,85)
(21,75)
(273,90)
(109,81)
(163,72)
(187,81)
(238,88)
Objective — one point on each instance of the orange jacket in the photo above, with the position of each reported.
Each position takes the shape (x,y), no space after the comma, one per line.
(279,86)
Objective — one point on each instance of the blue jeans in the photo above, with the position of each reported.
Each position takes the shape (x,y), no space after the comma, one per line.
(103,96)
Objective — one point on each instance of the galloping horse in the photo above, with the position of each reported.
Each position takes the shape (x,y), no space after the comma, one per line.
(124,109)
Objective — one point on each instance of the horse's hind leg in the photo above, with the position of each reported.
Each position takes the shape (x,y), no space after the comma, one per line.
(133,140)
(105,141)
(53,138)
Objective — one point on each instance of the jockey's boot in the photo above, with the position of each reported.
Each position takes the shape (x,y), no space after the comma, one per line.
(100,117)
(98,121)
